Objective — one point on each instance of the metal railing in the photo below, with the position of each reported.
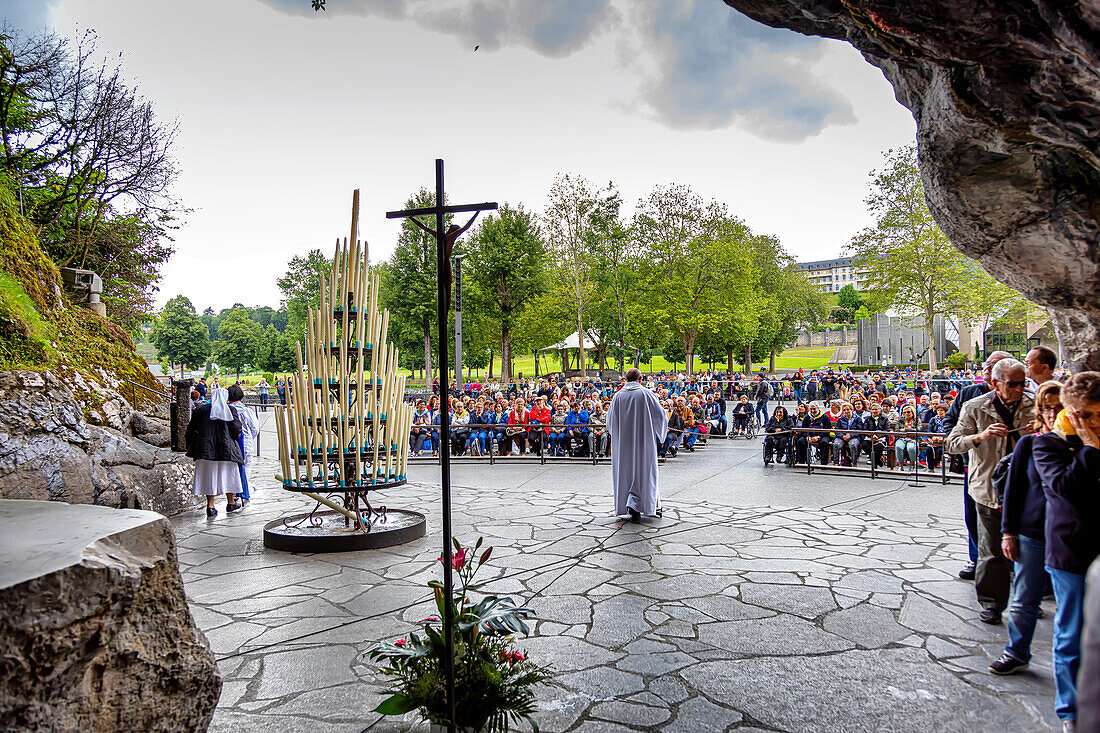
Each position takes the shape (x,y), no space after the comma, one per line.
(497,431)
(873,470)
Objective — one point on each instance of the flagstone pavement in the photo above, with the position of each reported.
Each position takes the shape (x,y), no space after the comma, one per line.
(763,600)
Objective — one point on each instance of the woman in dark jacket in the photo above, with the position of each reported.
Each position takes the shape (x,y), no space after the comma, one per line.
(1068,463)
(778,436)
(213,442)
(1023,519)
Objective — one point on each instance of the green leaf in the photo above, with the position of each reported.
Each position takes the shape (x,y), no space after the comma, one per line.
(396,705)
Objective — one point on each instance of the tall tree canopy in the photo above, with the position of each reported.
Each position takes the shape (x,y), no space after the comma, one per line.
(577,217)
(92,164)
(238,341)
(411,277)
(507,265)
(909,264)
(179,336)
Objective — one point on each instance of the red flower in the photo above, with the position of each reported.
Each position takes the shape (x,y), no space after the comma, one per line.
(518,657)
(458,559)
(400,642)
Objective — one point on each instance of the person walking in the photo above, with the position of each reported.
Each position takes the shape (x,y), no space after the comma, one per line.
(211,440)
(637,425)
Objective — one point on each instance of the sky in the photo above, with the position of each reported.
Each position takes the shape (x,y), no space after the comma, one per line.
(283,111)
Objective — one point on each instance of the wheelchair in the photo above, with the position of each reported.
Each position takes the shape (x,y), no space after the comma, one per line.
(787,454)
(751,429)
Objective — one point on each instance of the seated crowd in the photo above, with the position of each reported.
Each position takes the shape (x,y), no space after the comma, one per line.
(494,424)
(861,426)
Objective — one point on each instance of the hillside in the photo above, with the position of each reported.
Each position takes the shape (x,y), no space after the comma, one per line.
(42,329)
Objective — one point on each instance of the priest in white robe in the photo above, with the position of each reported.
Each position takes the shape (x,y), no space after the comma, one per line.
(637,423)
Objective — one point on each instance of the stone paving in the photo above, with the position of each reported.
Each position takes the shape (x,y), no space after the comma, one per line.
(764,600)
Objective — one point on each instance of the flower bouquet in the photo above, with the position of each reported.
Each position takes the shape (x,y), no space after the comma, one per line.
(493,679)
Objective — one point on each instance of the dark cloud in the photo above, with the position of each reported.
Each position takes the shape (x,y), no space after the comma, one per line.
(28,15)
(707,67)
(697,63)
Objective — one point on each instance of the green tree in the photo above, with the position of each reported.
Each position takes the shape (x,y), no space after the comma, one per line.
(268,357)
(909,264)
(238,341)
(179,336)
(848,297)
(411,288)
(93,165)
(301,287)
(694,256)
(674,350)
(507,266)
(576,217)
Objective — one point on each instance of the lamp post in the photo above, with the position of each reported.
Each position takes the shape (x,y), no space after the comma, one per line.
(458,321)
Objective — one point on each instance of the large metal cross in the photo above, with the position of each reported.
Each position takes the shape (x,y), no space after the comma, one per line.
(444,244)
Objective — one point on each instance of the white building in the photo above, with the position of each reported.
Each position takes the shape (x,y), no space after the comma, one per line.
(832,275)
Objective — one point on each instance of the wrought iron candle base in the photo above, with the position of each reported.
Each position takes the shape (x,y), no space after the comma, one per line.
(331,531)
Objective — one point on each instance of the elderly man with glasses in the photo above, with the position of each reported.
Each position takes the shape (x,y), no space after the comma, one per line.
(987,431)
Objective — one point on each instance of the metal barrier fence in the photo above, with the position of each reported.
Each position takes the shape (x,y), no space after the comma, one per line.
(873,470)
(540,455)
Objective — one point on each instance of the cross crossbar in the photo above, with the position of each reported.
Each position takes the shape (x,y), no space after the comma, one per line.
(489,205)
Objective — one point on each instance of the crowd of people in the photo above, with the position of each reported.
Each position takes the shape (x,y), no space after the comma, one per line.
(1028,434)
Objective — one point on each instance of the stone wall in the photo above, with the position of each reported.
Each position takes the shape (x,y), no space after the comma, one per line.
(49,451)
(843,337)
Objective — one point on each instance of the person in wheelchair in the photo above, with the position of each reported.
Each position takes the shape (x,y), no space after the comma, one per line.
(797,454)
(742,413)
(875,445)
(778,438)
(814,418)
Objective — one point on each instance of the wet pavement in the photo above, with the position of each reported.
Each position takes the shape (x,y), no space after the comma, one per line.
(764,599)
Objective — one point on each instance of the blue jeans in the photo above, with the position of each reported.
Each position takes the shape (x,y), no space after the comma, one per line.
(557,441)
(690,436)
(797,395)
(244,474)
(1069,590)
(762,411)
(1027,593)
(263,401)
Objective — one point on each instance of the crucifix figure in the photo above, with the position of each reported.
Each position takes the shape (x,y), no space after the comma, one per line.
(450,237)
(444,244)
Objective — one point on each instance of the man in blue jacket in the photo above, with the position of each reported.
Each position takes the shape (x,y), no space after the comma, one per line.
(576,431)
(1067,460)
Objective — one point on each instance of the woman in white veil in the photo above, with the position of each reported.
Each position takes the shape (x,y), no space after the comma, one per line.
(213,442)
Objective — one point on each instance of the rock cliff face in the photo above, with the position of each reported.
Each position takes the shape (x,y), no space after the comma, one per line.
(1006,95)
(95,632)
(49,451)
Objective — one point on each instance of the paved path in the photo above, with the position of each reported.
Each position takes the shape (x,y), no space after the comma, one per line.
(763,600)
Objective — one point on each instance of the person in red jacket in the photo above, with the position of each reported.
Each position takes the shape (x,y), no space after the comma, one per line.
(540,413)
